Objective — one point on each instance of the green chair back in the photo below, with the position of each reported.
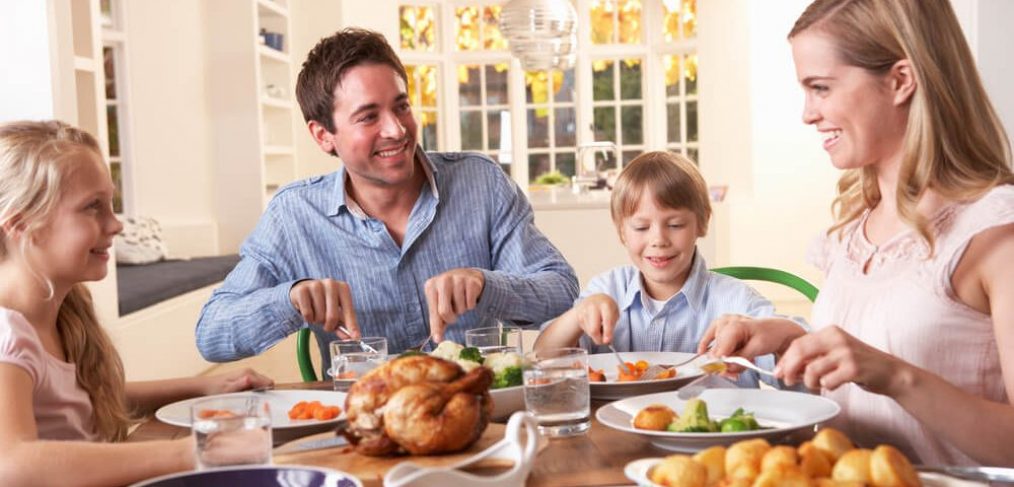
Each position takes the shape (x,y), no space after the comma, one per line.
(303,356)
(772,275)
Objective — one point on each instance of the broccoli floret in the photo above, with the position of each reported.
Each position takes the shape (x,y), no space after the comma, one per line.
(470,353)
(509,377)
(695,419)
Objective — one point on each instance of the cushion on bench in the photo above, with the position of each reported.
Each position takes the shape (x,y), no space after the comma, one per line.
(140,286)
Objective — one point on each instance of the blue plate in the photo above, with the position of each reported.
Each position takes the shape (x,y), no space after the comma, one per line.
(259,476)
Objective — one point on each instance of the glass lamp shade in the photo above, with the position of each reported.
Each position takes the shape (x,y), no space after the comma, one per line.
(542,34)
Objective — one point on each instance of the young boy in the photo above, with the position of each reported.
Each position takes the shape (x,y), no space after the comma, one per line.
(667,298)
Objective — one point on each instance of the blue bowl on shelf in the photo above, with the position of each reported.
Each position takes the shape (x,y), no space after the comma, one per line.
(256,476)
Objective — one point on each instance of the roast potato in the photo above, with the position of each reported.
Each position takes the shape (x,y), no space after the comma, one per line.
(853,466)
(743,459)
(679,471)
(890,468)
(713,460)
(654,417)
(833,442)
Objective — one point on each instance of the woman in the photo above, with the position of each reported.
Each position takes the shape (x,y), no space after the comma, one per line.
(915,322)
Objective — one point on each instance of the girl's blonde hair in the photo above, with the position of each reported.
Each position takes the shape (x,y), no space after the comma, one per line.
(954,142)
(35,160)
(672,180)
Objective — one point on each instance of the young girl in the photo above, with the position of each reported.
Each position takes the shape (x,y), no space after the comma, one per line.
(915,323)
(62,382)
(666,300)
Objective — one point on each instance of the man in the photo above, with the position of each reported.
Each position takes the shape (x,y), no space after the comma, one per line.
(396,243)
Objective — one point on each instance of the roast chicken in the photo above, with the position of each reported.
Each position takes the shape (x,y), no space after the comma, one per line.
(420,405)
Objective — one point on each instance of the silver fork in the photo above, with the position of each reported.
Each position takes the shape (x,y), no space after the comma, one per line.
(421,345)
(619,359)
(742,362)
(366,348)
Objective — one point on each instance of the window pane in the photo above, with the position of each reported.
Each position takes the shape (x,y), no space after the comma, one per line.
(602,80)
(492,38)
(673,122)
(116,173)
(538,127)
(563,85)
(536,87)
(565,163)
(493,130)
(633,125)
(416,28)
(565,127)
(496,84)
(630,22)
(690,73)
(602,19)
(106,8)
(428,121)
(469,92)
(108,64)
(114,131)
(471,130)
(629,155)
(671,65)
(630,79)
(689,17)
(693,155)
(692,121)
(538,164)
(466,28)
(670,20)
(605,123)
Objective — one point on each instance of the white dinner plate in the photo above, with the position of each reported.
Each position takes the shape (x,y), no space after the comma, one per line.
(638,471)
(781,412)
(611,389)
(280,401)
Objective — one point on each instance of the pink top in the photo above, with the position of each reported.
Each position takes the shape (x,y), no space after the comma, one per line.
(904,305)
(63,410)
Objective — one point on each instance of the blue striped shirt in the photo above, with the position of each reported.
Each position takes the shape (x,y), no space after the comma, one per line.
(470,215)
(681,322)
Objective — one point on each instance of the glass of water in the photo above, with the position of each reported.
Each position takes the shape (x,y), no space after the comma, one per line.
(350,359)
(556,391)
(494,339)
(231,430)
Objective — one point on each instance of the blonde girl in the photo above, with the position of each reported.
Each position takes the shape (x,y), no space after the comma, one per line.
(915,321)
(65,403)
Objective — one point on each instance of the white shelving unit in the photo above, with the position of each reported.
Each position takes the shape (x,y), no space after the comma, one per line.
(252,99)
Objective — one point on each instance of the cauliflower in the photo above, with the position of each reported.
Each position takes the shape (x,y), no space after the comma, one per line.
(456,353)
(506,369)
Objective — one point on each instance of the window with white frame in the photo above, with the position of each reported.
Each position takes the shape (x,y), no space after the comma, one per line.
(113,61)
(633,51)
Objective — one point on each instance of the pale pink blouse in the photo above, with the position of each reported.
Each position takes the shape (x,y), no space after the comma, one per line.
(904,305)
(63,410)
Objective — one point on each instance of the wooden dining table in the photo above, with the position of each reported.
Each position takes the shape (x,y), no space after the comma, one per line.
(596,458)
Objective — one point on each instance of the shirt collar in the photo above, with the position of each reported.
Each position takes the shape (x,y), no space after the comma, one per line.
(344,200)
(693,288)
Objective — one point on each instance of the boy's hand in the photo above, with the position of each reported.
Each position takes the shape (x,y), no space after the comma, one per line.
(596,316)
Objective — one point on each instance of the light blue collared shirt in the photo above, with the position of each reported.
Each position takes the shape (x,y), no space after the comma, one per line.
(470,214)
(681,322)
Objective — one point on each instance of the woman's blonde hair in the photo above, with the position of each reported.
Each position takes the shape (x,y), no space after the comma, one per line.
(954,142)
(671,179)
(35,160)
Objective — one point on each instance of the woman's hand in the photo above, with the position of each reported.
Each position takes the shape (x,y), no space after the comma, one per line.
(743,336)
(831,357)
(596,316)
(239,380)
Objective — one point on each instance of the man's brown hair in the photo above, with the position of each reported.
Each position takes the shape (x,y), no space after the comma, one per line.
(328,62)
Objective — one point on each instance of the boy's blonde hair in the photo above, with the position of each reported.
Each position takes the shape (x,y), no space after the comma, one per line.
(954,142)
(671,179)
(36,158)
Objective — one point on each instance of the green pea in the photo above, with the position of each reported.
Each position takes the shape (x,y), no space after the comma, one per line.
(733,424)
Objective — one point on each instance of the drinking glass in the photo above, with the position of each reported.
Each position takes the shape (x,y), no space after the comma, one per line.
(556,391)
(350,359)
(231,430)
(494,339)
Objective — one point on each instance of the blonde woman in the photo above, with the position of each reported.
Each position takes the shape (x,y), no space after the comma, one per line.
(915,321)
(61,380)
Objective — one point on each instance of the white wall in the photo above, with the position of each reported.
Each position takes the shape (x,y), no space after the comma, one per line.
(27,74)
(172,165)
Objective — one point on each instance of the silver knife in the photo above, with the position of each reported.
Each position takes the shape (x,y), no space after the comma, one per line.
(297,447)
(990,474)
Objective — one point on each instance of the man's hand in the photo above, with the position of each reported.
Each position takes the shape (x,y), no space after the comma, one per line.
(238,380)
(450,295)
(326,302)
